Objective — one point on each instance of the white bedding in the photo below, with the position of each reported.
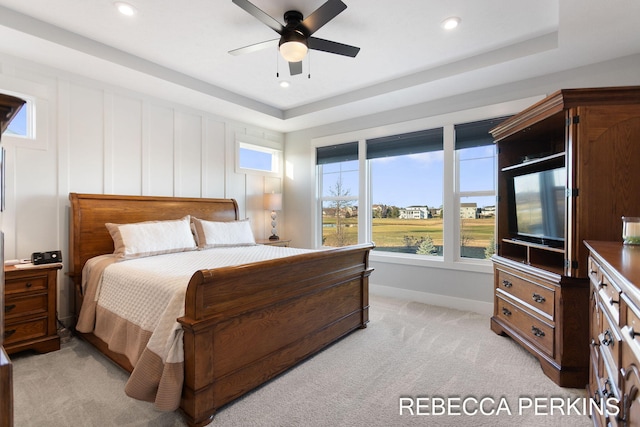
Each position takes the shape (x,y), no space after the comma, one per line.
(141,299)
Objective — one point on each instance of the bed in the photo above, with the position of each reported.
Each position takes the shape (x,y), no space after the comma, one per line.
(242,324)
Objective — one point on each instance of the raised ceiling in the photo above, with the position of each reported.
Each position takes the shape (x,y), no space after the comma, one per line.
(179,50)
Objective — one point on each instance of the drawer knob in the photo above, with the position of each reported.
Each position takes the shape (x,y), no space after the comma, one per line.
(594,343)
(507,284)
(9,332)
(633,333)
(612,301)
(608,338)
(29,284)
(538,298)
(606,390)
(537,331)
(8,308)
(506,311)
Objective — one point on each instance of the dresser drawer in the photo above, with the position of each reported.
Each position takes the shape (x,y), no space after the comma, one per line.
(532,328)
(22,331)
(25,306)
(609,343)
(25,284)
(538,297)
(610,295)
(595,272)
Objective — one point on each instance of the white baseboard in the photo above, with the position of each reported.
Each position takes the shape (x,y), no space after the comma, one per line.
(484,308)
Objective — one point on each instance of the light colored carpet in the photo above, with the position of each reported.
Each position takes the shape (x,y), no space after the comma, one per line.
(409,350)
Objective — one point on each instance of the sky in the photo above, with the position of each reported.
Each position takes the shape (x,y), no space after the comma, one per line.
(417,179)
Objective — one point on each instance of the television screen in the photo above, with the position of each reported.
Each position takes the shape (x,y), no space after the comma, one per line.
(540,204)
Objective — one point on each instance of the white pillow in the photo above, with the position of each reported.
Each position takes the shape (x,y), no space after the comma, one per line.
(211,234)
(149,238)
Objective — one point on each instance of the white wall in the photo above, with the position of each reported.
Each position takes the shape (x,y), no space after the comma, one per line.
(105,139)
(95,138)
(463,288)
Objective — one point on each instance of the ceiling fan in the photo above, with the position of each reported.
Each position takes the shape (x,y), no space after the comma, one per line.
(296,36)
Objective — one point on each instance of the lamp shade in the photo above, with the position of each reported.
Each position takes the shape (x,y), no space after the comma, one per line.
(293,46)
(273,201)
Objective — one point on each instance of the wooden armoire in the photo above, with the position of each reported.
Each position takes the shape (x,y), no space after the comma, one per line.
(541,297)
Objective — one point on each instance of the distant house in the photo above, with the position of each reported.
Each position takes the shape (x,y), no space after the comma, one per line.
(468,210)
(415,212)
(487,212)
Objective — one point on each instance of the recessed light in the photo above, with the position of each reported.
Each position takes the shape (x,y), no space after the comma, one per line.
(450,23)
(284,84)
(125,8)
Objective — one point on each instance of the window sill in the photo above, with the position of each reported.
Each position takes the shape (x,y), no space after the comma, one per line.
(479,266)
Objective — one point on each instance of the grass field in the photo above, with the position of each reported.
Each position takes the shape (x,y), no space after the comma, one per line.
(392,232)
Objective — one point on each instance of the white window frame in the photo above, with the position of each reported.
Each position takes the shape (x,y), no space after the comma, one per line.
(37,97)
(451,258)
(260,145)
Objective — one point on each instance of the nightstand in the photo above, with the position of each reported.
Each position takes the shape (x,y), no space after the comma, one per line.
(30,308)
(281,242)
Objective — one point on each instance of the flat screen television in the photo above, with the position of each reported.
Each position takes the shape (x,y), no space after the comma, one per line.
(539,203)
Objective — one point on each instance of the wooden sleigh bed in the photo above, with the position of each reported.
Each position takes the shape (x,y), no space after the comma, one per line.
(244,324)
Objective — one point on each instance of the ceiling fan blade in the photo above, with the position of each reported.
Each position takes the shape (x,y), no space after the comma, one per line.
(332,47)
(295,68)
(254,47)
(260,15)
(322,15)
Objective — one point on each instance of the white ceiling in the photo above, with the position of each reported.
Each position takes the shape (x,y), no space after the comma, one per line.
(406,57)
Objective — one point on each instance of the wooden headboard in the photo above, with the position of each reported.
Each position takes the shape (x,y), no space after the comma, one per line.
(88,236)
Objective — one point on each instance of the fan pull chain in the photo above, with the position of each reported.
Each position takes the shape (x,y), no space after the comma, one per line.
(277,66)
(309,64)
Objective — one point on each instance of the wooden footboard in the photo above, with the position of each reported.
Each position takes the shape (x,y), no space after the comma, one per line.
(246,324)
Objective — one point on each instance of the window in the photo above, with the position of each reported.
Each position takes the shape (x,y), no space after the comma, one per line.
(19,126)
(22,124)
(426,195)
(252,158)
(338,170)
(476,170)
(406,192)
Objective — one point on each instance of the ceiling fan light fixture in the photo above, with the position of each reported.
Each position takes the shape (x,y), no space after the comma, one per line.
(293,46)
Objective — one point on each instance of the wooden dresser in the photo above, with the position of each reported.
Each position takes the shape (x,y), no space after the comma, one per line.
(30,308)
(614,371)
(589,138)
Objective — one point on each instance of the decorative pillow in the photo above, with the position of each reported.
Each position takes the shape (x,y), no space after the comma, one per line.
(211,234)
(149,238)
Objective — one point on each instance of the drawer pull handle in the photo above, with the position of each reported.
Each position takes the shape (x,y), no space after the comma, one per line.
(538,298)
(606,392)
(537,331)
(506,311)
(8,308)
(608,338)
(633,333)
(8,333)
(507,284)
(594,343)
(612,301)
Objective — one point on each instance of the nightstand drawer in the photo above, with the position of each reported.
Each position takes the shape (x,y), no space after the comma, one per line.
(29,308)
(25,284)
(537,331)
(540,298)
(25,306)
(22,331)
